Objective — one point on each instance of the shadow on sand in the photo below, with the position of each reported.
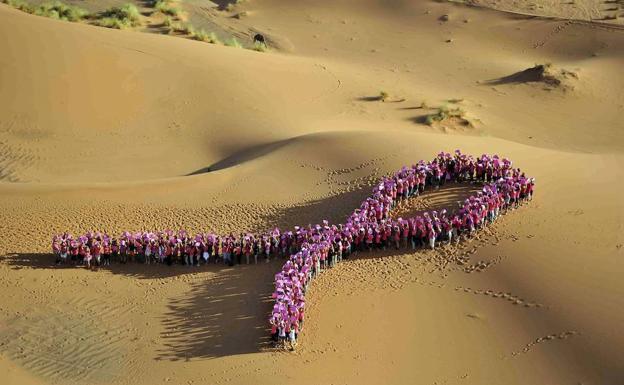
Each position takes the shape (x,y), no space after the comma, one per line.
(243,156)
(533,74)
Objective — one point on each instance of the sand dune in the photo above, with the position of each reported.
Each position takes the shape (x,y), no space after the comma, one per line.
(115,130)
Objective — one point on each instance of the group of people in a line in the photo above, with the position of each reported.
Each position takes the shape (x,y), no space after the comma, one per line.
(169,247)
(313,249)
(371,225)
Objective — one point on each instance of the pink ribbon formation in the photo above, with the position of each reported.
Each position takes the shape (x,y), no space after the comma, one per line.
(313,249)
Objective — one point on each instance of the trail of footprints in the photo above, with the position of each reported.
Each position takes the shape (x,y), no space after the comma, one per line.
(482,265)
(338,187)
(551,337)
(501,295)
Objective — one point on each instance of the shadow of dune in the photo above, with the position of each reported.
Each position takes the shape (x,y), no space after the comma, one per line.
(245,155)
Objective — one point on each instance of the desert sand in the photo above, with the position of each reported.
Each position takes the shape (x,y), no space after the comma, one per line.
(118,130)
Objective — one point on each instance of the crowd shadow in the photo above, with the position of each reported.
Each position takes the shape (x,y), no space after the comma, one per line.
(223,316)
(225,313)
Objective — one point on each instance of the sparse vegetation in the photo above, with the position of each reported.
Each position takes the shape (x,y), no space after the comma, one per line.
(187,29)
(127,16)
(172,25)
(383,96)
(120,17)
(201,35)
(111,22)
(260,47)
(213,39)
(55,10)
(445,113)
(20,4)
(233,42)
(166,7)
(61,11)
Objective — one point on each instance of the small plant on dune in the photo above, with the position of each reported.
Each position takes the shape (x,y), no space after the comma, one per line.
(178,27)
(188,29)
(213,39)
(260,47)
(383,96)
(61,11)
(172,26)
(233,43)
(111,22)
(204,36)
(166,7)
(20,4)
(201,35)
(443,113)
(121,17)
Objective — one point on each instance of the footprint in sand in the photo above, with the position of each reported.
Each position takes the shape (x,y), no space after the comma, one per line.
(550,337)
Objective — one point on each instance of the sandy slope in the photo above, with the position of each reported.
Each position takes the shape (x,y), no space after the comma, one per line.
(606,11)
(101,129)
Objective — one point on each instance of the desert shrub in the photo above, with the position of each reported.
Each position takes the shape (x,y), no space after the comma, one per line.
(260,47)
(213,39)
(444,113)
(383,96)
(188,29)
(20,4)
(120,17)
(204,36)
(166,7)
(62,11)
(201,35)
(111,22)
(233,43)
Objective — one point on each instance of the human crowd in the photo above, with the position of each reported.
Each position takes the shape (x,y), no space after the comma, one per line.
(313,249)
